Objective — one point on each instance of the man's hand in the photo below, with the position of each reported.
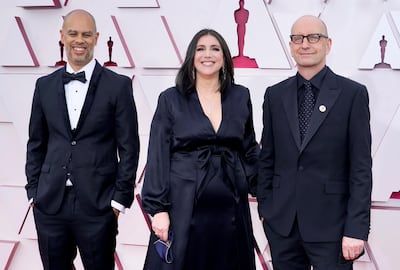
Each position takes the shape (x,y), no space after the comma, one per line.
(352,247)
(116,212)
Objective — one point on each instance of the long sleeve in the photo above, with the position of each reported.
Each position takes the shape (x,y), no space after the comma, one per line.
(126,131)
(360,178)
(156,181)
(251,151)
(37,144)
(266,159)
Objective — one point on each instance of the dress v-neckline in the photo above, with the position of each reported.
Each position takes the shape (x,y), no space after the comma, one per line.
(216,131)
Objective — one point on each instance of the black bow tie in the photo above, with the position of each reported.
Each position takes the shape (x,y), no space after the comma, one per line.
(67,77)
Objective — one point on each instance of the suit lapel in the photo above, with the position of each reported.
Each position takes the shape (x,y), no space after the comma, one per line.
(289,100)
(90,94)
(327,97)
(62,101)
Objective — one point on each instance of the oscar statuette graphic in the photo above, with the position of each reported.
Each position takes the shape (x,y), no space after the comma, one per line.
(61,62)
(110,63)
(241,17)
(382,44)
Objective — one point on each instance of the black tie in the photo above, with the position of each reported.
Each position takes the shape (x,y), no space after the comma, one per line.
(80,76)
(306,109)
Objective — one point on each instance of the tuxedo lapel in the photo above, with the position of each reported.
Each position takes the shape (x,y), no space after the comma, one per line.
(289,100)
(62,101)
(327,97)
(90,94)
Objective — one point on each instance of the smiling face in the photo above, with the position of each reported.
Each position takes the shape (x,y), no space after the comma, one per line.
(79,36)
(310,57)
(208,58)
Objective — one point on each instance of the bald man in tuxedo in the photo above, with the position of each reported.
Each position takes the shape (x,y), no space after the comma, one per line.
(82,153)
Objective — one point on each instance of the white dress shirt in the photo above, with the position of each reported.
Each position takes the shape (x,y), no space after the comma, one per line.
(75,92)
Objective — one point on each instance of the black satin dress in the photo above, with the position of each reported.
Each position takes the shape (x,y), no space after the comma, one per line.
(202,179)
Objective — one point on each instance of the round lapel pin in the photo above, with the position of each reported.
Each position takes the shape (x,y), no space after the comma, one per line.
(322,108)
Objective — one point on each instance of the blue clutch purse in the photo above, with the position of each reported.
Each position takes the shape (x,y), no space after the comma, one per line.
(164,248)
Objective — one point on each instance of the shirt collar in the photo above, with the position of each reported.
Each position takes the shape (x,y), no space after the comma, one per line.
(316,81)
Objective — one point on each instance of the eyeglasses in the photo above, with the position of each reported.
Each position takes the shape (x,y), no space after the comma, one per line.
(311,38)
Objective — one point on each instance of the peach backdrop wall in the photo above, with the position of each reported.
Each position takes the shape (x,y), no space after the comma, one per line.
(150,39)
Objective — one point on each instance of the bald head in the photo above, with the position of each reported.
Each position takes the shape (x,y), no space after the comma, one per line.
(309,21)
(79,13)
(79,36)
(310,53)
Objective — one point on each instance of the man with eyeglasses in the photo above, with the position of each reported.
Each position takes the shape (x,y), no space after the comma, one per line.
(315,180)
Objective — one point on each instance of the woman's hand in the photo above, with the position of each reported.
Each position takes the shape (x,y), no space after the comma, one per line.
(160,225)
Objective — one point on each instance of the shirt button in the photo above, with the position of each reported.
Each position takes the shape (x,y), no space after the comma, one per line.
(73,143)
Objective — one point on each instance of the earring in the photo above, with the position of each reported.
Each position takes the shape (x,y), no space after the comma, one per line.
(193,75)
(223,72)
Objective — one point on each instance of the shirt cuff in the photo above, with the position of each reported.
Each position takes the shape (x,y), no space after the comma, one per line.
(118,206)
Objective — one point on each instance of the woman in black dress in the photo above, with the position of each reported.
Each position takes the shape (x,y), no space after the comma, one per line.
(201,164)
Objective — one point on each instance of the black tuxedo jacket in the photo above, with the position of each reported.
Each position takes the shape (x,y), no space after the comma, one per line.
(326,180)
(100,156)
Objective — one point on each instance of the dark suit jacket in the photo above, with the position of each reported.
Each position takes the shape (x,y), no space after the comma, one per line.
(100,157)
(326,181)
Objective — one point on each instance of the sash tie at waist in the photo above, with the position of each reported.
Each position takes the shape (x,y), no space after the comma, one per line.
(206,171)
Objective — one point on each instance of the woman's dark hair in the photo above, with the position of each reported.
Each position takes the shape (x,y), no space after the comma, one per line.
(185,79)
